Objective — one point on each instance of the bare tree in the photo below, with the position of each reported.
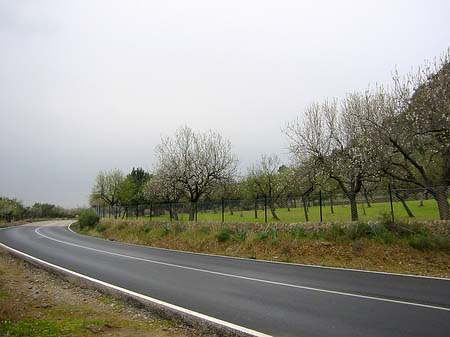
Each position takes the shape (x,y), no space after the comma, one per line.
(330,139)
(304,177)
(409,126)
(267,180)
(159,189)
(108,188)
(195,161)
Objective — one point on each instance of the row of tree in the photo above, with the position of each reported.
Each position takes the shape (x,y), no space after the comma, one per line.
(13,209)
(398,134)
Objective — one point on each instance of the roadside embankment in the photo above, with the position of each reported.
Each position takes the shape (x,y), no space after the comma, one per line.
(419,248)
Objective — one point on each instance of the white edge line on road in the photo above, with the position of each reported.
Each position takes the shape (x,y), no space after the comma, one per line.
(267,261)
(144,297)
(247,278)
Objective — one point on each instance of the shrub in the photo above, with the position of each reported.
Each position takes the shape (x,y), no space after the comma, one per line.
(101,228)
(263,235)
(382,235)
(298,232)
(358,231)
(88,218)
(334,232)
(240,235)
(429,242)
(224,234)
(421,242)
(162,231)
(269,233)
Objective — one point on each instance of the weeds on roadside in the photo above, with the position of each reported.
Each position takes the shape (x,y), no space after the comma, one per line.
(383,231)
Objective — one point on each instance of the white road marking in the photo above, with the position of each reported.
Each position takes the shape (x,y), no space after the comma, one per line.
(247,278)
(144,297)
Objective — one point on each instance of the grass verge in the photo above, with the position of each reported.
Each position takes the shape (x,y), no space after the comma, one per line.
(381,246)
(35,303)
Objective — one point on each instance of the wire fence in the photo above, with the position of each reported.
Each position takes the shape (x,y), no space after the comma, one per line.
(319,206)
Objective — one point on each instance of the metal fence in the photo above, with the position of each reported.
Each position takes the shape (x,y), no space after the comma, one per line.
(319,206)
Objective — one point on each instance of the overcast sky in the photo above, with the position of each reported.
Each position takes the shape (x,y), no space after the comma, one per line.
(92,85)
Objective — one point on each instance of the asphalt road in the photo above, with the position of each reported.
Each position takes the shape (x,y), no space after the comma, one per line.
(271,298)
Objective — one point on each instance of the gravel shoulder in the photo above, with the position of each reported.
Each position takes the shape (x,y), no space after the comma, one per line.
(34,302)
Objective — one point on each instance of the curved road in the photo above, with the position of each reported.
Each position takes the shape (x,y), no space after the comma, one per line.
(268,298)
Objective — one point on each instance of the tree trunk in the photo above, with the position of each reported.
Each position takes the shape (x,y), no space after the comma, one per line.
(274,214)
(366,196)
(440,195)
(305,208)
(272,210)
(331,204)
(405,206)
(192,212)
(353,206)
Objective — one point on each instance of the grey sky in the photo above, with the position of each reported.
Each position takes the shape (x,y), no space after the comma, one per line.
(92,85)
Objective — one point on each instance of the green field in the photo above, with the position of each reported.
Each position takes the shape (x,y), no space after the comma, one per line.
(428,211)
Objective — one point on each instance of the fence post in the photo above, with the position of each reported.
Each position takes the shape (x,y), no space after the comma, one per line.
(256,207)
(137,211)
(320,204)
(265,208)
(170,211)
(223,209)
(196,211)
(390,200)
(331,203)
(151,211)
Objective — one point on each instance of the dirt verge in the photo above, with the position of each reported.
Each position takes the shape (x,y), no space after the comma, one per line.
(34,302)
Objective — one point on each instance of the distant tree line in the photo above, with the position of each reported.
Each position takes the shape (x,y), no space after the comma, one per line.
(13,210)
(397,135)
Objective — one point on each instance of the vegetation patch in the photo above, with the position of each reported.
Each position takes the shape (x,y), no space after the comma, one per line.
(34,303)
(412,248)
(88,218)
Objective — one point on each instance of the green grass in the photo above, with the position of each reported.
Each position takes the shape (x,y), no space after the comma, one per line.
(428,211)
(44,328)
(415,235)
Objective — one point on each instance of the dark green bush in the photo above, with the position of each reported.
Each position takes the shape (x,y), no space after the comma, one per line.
(421,242)
(264,235)
(298,232)
(382,235)
(162,231)
(334,233)
(101,228)
(224,234)
(355,232)
(240,235)
(425,242)
(271,233)
(88,219)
